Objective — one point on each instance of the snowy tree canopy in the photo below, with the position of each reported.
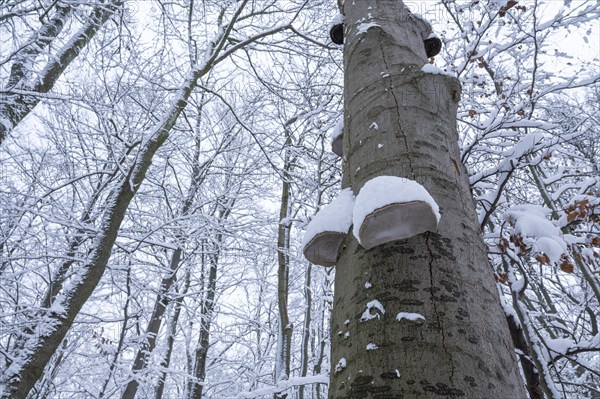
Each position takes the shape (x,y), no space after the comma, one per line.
(160,163)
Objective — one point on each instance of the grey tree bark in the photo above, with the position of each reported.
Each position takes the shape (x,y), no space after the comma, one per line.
(282,363)
(142,358)
(160,389)
(207,308)
(304,350)
(400,121)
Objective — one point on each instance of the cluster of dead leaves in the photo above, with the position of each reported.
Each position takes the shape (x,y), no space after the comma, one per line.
(510,4)
(582,211)
(517,241)
(501,278)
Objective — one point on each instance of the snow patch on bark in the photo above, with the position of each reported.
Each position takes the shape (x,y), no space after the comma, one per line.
(373,305)
(409,316)
(341,365)
(371,346)
(337,130)
(429,68)
(365,26)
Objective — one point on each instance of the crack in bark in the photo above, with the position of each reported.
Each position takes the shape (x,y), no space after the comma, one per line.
(433,302)
(388,72)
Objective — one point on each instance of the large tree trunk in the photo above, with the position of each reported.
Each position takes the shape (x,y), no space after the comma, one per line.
(400,121)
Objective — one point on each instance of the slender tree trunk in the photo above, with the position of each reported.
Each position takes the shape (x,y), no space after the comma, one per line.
(43,346)
(206,315)
(49,30)
(81,235)
(282,365)
(46,387)
(122,335)
(532,378)
(306,329)
(199,171)
(196,388)
(321,334)
(160,305)
(307,348)
(171,337)
(461,347)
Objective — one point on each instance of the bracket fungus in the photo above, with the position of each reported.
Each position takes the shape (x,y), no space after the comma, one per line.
(337,145)
(336,33)
(327,230)
(433,46)
(337,139)
(390,208)
(323,248)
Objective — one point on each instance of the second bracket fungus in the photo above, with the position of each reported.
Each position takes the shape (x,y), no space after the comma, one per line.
(337,138)
(327,230)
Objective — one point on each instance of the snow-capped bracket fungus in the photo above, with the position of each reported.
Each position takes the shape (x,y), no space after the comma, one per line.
(328,228)
(390,208)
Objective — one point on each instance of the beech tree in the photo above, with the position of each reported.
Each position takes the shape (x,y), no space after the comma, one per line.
(419,317)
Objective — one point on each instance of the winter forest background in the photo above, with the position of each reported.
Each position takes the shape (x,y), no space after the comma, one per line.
(190,140)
